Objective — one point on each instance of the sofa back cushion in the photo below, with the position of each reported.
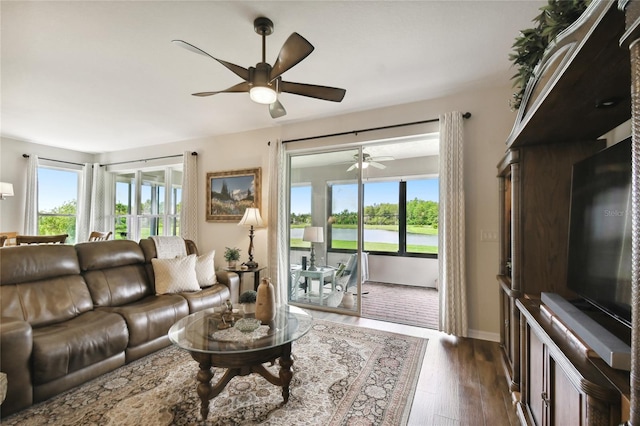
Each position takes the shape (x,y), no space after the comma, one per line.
(42,284)
(114,271)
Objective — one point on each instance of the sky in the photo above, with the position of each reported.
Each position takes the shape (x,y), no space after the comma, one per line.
(56,187)
(378,193)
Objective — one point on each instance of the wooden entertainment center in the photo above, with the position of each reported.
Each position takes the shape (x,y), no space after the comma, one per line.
(586,85)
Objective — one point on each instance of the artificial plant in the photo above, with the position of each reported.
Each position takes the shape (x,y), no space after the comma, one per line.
(531,44)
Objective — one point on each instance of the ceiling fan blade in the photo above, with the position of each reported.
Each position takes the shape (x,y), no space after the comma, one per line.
(311,90)
(241,72)
(388,158)
(238,88)
(294,50)
(377,165)
(277,110)
(353,166)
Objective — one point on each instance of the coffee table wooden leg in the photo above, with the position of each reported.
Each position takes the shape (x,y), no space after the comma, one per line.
(204,377)
(286,374)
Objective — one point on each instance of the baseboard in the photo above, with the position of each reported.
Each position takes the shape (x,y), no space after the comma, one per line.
(484,335)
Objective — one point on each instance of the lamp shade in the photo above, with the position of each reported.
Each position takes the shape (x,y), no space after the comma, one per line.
(6,189)
(251,218)
(313,234)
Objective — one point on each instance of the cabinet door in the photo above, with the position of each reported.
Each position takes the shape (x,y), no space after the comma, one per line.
(505,317)
(537,389)
(565,400)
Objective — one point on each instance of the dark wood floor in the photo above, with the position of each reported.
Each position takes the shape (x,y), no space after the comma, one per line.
(461,382)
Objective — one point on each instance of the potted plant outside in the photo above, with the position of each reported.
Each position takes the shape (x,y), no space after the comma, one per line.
(248,301)
(232,255)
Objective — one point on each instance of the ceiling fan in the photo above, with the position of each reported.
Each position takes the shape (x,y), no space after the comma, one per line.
(264,82)
(368,160)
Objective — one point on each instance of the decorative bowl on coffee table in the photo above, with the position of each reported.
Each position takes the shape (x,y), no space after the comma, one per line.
(247,325)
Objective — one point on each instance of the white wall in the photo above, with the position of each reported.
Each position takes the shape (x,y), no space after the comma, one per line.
(415,271)
(485,135)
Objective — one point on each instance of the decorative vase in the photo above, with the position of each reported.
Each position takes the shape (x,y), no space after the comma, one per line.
(265,302)
(233,264)
(347,300)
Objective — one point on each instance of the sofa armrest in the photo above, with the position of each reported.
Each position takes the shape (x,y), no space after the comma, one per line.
(232,281)
(16,343)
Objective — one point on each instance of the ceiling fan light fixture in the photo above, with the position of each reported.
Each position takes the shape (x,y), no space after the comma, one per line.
(264,82)
(263,95)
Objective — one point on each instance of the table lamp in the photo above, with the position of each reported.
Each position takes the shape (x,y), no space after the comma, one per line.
(313,234)
(6,190)
(251,218)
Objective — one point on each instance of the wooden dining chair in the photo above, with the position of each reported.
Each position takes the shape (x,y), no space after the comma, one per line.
(9,238)
(99,236)
(41,239)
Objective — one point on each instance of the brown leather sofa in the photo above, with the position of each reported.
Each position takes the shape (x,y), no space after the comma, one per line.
(72,313)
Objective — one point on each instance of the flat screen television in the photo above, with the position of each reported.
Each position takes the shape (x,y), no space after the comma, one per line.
(599,254)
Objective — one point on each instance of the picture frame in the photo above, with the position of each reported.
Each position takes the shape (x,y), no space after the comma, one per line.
(229,193)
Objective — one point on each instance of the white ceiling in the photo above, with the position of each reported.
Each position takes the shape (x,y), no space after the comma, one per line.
(104,76)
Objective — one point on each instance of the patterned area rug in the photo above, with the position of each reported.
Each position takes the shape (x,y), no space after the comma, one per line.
(343,375)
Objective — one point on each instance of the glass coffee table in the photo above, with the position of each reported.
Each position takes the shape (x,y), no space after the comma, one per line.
(213,342)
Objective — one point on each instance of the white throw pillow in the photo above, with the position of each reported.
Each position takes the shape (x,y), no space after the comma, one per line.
(205,271)
(175,275)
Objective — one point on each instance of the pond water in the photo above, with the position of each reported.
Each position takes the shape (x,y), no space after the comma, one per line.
(375,236)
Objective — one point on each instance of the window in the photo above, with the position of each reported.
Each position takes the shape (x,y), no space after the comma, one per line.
(422,203)
(300,214)
(400,217)
(381,217)
(125,205)
(147,202)
(344,216)
(58,201)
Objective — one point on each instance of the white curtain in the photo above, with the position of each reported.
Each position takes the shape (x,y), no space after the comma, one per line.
(31,201)
(85,202)
(100,184)
(451,232)
(92,214)
(189,210)
(277,221)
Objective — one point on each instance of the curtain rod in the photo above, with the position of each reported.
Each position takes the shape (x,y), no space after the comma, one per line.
(432,120)
(57,161)
(146,159)
(111,164)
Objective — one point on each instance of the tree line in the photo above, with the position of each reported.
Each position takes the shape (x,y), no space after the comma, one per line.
(419,212)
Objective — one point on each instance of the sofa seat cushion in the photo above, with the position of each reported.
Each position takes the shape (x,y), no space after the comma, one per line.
(151,317)
(72,345)
(207,298)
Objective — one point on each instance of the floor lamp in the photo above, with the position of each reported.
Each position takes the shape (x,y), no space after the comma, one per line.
(251,218)
(313,234)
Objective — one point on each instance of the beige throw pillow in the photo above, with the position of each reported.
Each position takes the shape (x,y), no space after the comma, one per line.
(204,269)
(175,275)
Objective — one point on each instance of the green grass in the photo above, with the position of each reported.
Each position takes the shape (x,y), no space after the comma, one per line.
(382,247)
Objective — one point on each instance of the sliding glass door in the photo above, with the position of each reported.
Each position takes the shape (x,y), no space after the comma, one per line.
(372,207)
(324,232)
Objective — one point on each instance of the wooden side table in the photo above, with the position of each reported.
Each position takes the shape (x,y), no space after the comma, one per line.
(254,271)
